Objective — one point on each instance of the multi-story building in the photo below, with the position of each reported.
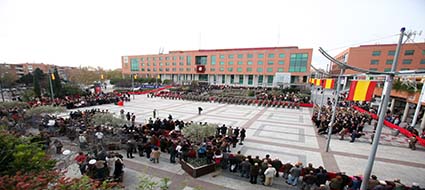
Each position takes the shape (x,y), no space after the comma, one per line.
(20,70)
(270,66)
(380,57)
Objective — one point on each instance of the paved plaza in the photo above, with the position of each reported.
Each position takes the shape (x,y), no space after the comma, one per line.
(285,133)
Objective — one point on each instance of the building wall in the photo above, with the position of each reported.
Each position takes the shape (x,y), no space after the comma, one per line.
(244,61)
(367,57)
(20,70)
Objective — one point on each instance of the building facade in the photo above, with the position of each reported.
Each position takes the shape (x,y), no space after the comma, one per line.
(22,69)
(241,67)
(380,57)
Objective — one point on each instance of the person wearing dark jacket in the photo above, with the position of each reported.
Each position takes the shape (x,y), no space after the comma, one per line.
(245,168)
(309,180)
(254,173)
(277,164)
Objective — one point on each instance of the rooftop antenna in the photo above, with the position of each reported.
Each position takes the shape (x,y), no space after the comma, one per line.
(161,50)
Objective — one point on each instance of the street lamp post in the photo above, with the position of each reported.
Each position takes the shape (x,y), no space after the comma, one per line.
(1,87)
(132,85)
(389,84)
(51,85)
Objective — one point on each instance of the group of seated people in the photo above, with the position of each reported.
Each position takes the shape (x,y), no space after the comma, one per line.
(71,102)
(101,166)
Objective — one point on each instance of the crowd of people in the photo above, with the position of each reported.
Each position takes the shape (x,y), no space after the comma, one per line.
(72,102)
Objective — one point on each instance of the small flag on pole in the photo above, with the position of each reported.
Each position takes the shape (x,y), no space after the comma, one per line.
(53,76)
(361,90)
(328,83)
(135,76)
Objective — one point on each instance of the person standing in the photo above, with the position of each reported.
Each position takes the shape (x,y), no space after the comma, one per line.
(199,110)
(254,173)
(122,114)
(245,168)
(154,113)
(243,135)
(294,174)
(269,174)
(130,148)
(155,155)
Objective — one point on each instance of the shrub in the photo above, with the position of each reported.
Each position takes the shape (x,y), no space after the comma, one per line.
(44,110)
(107,118)
(197,133)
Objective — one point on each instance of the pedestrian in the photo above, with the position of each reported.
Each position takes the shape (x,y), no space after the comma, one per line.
(199,110)
(294,174)
(130,148)
(243,135)
(245,168)
(58,144)
(154,113)
(254,173)
(155,155)
(269,174)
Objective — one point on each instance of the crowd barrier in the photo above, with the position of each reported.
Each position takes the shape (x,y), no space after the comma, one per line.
(403,131)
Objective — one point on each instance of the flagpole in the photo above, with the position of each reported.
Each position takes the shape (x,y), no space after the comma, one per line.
(389,84)
(321,104)
(418,107)
(335,102)
(51,86)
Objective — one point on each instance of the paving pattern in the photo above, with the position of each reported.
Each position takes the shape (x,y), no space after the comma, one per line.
(285,133)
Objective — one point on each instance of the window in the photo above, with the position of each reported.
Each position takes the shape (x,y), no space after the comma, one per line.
(260,70)
(230,56)
(407,61)
(270,63)
(143,64)
(259,62)
(298,62)
(174,64)
(167,58)
(147,58)
(188,69)
(240,79)
(409,52)
(181,69)
(389,62)
(281,62)
(134,62)
(240,56)
(232,79)
(270,79)
(168,64)
(174,57)
(249,55)
(260,79)
(160,58)
(422,61)
(404,69)
(154,64)
(261,55)
(201,60)
(240,63)
(221,68)
(141,59)
(281,55)
(149,69)
(188,60)
(387,69)
(212,69)
(213,59)
(160,64)
(181,57)
(391,53)
(239,70)
(376,53)
(423,52)
(279,69)
(149,64)
(230,69)
(373,69)
(221,56)
(230,62)
(154,69)
(181,63)
(269,70)
(174,69)
(160,69)
(249,69)
(250,79)
(221,62)
(271,55)
(154,58)
(374,62)
(249,63)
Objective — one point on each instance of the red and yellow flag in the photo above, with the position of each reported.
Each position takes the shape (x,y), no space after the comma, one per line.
(317,82)
(361,90)
(328,83)
(53,76)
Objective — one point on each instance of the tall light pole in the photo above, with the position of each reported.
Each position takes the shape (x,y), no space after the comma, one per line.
(389,84)
(418,107)
(335,102)
(1,87)
(51,85)
(133,76)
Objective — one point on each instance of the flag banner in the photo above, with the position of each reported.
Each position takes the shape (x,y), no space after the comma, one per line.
(328,83)
(361,90)
(317,82)
(312,81)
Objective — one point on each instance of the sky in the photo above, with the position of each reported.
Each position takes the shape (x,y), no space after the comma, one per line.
(98,32)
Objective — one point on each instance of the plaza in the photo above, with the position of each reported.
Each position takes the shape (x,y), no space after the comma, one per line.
(284,133)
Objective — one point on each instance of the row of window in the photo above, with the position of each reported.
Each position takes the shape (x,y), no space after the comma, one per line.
(392,52)
(281,62)
(221,69)
(229,56)
(390,61)
(389,69)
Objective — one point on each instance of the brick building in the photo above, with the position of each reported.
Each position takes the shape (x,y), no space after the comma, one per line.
(22,69)
(242,66)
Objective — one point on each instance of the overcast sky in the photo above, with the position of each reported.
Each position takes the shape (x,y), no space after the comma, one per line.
(98,32)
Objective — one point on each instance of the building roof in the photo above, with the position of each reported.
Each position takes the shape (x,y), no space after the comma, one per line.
(235,49)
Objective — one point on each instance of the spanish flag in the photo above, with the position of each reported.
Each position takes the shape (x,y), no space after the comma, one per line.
(312,81)
(53,76)
(328,83)
(361,90)
(317,82)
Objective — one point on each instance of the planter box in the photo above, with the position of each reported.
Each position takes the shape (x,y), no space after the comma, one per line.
(199,171)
